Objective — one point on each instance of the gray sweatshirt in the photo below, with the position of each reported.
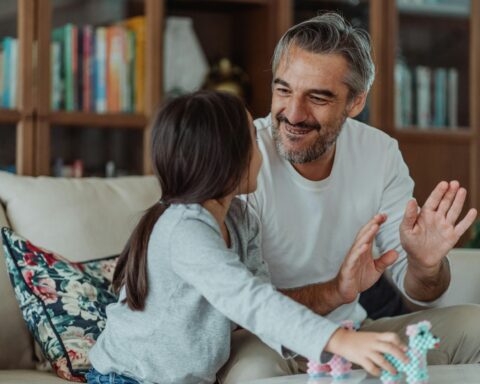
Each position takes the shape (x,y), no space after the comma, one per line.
(199,290)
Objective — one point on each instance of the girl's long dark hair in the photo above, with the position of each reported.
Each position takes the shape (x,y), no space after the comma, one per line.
(201,148)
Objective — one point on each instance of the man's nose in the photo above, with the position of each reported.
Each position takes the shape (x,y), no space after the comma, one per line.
(296,111)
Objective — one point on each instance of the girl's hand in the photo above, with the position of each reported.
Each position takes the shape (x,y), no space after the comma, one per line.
(367,349)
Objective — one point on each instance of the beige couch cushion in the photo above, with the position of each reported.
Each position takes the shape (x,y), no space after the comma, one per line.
(81,219)
(465,282)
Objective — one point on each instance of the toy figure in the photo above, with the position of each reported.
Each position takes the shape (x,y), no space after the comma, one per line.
(420,340)
(337,367)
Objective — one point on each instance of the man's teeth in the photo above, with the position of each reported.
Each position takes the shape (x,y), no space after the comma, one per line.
(296,131)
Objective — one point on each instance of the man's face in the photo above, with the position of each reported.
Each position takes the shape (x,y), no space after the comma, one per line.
(309,104)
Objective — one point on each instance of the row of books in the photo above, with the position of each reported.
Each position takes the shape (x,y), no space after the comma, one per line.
(426,97)
(8,72)
(99,69)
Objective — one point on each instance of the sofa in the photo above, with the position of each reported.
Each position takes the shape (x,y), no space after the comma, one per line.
(86,219)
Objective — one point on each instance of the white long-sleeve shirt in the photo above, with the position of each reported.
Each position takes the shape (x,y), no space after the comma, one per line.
(198,291)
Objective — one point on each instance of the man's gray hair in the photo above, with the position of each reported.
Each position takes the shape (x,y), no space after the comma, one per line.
(330,33)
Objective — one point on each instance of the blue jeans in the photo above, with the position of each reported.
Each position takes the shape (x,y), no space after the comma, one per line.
(95,377)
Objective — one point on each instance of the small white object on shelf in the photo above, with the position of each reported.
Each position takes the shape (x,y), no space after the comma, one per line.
(185,65)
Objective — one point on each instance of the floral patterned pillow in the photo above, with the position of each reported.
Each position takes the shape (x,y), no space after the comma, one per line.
(63,303)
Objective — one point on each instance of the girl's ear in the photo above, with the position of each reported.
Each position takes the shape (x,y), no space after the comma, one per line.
(356,105)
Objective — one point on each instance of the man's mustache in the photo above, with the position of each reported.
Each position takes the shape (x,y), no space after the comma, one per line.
(282,119)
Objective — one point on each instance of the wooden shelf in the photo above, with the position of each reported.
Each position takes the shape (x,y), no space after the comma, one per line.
(433,135)
(9,116)
(101,120)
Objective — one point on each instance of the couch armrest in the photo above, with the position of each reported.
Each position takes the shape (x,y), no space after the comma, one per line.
(465,283)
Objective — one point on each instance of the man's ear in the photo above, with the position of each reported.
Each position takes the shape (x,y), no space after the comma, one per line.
(356,106)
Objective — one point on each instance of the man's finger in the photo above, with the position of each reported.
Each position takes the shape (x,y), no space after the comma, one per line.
(369,235)
(457,205)
(410,216)
(448,197)
(377,219)
(354,255)
(436,196)
(467,221)
(387,259)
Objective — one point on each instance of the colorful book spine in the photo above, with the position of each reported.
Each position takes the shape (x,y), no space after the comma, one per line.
(453,98)
(137,25)
(101,69)
(6,73)
(114,62)
(9,73)
(1,77)
(87,58)
(69,67)
(56,86)
(423,76)
(440,94)
(58,69)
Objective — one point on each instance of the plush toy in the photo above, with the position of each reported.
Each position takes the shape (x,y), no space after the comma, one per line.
(337,367)
(420,340)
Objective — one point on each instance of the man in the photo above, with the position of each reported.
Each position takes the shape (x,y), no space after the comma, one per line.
(324,176)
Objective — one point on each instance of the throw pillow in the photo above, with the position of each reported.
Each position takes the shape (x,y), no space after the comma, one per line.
(62,302)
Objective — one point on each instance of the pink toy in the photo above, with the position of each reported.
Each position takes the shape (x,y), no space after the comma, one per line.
(338,367)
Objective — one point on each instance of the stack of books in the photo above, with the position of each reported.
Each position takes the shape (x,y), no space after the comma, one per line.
(426,97)
(99,69)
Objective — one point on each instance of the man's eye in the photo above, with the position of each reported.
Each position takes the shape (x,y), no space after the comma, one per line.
(318,100)
(282,91)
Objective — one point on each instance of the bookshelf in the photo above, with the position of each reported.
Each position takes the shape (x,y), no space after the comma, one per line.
(95,137)
(16,120)
(433,34)
(245,31)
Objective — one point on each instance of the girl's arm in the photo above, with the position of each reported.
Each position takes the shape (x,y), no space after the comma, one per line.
(199,256)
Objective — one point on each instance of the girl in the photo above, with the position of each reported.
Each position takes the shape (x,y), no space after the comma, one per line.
(192,268)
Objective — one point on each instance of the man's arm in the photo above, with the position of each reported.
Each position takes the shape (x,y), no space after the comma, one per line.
(428,234)
(427,285)
(321,298)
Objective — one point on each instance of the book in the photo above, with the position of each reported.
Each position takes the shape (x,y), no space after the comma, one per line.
(101,70)
(69,57)
(9,92)
(88,60)
(57,69)
(423,85)
(403,95)
(56,77)
(137,26)
(452,98)
(114,70)
(440,96)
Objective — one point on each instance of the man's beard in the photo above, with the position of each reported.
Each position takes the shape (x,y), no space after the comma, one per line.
(314,151)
